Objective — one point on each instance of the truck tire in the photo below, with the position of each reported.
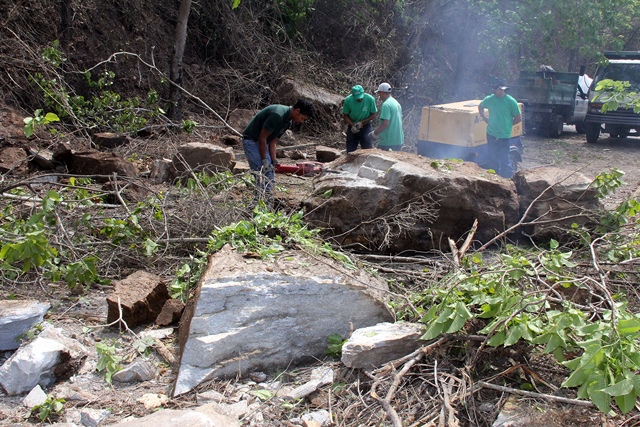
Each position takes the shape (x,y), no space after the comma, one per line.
(555,126)
(592,132)
(581,127)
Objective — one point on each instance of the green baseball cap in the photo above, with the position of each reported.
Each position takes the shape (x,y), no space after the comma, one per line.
(357,92)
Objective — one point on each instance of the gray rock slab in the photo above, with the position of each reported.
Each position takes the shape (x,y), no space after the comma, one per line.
(376,345)
(16,318)
(204,416)
(49,357)
(396,201)
(250,315)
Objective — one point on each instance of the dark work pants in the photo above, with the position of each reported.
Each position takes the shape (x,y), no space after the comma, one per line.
(498,151)
(361,137)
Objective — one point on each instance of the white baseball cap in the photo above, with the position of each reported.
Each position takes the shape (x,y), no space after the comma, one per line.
(384,87)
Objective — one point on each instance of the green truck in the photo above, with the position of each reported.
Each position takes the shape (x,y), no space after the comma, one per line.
(621,66)
(550,100)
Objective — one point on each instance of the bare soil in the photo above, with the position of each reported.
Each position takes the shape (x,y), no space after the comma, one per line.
(571,152)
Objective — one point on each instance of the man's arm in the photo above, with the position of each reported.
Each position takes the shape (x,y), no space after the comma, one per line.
(262,143)
(272,150)
(382,127)
(517,119)
(481,112)
(347,119)
(368,119)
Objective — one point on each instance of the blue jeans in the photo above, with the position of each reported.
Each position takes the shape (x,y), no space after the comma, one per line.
(498,152)
(264,181)
(362,137)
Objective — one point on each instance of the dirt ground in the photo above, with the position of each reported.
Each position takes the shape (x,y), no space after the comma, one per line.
(571,152)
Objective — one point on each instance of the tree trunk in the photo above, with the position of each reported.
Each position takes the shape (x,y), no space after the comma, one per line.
(175,73)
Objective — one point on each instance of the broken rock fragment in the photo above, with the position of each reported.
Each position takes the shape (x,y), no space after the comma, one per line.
(376,345)
(16,318)
(141,297)
(247,315)
(50,357)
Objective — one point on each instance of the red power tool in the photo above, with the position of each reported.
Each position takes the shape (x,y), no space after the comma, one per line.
(300,169)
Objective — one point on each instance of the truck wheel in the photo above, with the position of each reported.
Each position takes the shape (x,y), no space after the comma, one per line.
(581,128)
(593,132)
(555,126)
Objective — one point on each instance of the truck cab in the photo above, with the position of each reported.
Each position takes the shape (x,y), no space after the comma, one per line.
(623,66)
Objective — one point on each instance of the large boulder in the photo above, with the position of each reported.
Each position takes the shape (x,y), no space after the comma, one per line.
(565,198)
(394,201)
(259,315)
(289,91)
(199,156)
(13,160)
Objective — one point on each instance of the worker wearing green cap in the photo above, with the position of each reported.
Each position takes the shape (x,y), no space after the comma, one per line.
(358,110)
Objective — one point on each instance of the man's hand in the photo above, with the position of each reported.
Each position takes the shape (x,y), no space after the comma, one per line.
(266,166)
(372,135)
(356,127)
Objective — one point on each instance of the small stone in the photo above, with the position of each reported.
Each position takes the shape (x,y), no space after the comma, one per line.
(34,398)
(152,401)
(138,371)
(92,417)
(210,396)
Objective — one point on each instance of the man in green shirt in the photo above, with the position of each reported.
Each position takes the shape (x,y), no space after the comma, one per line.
(358,111)
(390,128)
(504,112)
(261,135)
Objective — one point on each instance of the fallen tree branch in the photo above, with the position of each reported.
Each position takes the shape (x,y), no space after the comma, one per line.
(482,384)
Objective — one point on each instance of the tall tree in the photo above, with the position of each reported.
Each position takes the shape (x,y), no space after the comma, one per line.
(175,73)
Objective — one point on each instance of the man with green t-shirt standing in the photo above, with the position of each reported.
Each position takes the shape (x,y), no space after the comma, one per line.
(504,112)
(390,129)
(358,110)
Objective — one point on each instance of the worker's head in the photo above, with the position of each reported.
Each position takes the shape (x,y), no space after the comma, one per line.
(301,111)
(499,88)
(358,93)
(384,91)
(499,91)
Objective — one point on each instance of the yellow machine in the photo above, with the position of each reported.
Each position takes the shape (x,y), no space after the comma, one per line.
(456,131)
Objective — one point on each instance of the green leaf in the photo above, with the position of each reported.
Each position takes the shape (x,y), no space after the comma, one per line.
(620,388)
(627,402)
(514,335)
(497,339)
(235,4)
(629,326)
(263,394)
(434,330)
(553,244)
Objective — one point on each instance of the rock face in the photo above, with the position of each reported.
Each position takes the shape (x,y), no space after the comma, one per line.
(13,160)
(16,317)
(395,201)
(48,358)
(141,295)
(252,316)
(96,163)
(376,345)
(199,156)
(289,91)
(565,195)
